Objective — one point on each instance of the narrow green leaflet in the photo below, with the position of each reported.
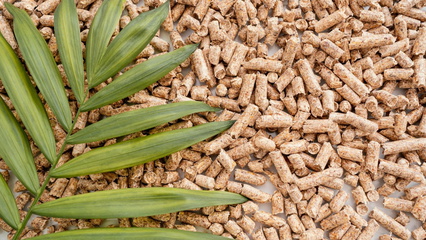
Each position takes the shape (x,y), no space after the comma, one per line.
(8,210)
(129,234)
(129,43)
(67,32)
(15,149)
(134,202)
(137,120)
(101,30)
(138,78)
(41,64)
(137,151)
(26,100)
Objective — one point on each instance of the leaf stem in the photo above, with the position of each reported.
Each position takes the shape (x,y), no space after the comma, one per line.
(46,181)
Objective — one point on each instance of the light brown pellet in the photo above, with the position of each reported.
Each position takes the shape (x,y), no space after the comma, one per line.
(249,177)
(351,80)
(339,231)
(419,47)
(354,120)
(237,59)
(274,121)
(419,209)
(205,182)
(350,153)
(329,21)
(281,166)
(232,227)
(335,220)
(419,78)
(369,231)
(398,204)
(370,41)
(419,233)
(318,178)
(338,201)
(331,49)
(263,65)
(309,77)
(269,219)
(255,194)
(403,172)
(390,224)
(314,206)
(295,224)
(194,219)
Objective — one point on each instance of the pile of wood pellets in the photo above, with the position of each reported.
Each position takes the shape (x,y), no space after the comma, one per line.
(326,94)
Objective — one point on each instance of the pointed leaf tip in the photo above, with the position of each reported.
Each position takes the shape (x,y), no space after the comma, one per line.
(8,210)
(67,31)
(129,234)
(133,202)
(137,151)
(129,43)
(100,33)
(137,120)
(25,100)
(15,149)
(42,65)
(138,78)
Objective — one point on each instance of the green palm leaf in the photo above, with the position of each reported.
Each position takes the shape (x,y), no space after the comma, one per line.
(67,32)
(129,43)
(26,100)
(137,151)
(138,78)
(129,234)
(15,149)
(101,30)
(134,202)
(41,64)
(137,120)
(8,210)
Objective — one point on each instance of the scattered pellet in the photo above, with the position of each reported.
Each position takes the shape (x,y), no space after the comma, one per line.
(268,219)
(255,194)
(370,41)
(419,210)
(295,224)
(390,224)
(351,80)
(249,177)
(194,219)
(335,220)
(338,201)
(318,178)
(329,21)
(403,172)
(309,77)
